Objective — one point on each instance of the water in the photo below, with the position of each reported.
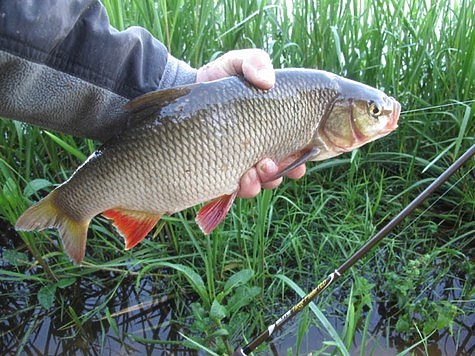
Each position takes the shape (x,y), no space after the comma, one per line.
(148,314)
(384,341)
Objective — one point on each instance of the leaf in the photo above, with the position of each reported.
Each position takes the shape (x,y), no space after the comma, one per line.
(65,282)
(66,146)
(36,185)
(46,295)
(15,258)
(112,322)
(402,325)
(237,279)
(243,296)
(194,278)
(218,311)
(196,345)
(220,332)
(10,191)
(318,313)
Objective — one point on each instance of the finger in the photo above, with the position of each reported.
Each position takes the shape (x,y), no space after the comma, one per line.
(257,69)
(266,170)
(214,70)
(271,184)
(298,172)
(249,185)
(254,64)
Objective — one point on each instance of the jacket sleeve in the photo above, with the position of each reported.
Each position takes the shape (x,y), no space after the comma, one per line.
(64,68)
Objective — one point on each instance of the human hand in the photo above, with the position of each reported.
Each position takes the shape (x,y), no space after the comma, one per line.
(256,67)
(253,63)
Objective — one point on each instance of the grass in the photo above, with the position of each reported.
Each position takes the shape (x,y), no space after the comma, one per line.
(180,290)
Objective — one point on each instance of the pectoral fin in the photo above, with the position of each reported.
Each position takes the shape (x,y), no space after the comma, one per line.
(213,213)
(302,158)
(132,225)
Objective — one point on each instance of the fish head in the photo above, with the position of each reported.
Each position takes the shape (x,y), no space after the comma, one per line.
(358,115)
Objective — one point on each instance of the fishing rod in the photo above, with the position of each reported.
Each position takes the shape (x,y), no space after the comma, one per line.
(265,335)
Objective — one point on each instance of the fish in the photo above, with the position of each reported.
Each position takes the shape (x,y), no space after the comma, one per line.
(191,144)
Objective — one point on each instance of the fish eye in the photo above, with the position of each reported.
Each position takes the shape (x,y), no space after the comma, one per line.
(373,109)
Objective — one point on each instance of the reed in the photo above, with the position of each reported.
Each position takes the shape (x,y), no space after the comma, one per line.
(214,292)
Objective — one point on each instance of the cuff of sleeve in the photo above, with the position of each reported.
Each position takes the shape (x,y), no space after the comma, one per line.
(177,73)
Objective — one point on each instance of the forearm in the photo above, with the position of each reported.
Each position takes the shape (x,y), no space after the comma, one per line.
(64,68)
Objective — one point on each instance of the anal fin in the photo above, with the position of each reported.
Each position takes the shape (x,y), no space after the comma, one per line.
(214,212)
(133,225)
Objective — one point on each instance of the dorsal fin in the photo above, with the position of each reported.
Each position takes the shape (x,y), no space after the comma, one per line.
(152,102)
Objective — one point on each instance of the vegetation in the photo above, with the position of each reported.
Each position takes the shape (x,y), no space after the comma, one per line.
(180,290)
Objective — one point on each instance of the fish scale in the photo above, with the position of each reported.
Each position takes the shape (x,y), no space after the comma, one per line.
(192,144)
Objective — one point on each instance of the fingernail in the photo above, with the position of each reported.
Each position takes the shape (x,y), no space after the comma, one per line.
(266,168)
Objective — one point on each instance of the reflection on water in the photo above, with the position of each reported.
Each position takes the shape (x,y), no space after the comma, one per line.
(143,321)
(382,340)
(146,315)
(142,314)
(40,332)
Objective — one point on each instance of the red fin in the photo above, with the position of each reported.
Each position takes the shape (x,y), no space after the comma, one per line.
(133,225)
(213,213)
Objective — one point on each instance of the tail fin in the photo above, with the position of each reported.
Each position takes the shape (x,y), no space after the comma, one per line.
(45,214)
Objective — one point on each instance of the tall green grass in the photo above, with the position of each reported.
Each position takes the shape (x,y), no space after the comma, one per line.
(215,292)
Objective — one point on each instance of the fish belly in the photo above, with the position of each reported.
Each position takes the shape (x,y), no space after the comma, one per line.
(167,166)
